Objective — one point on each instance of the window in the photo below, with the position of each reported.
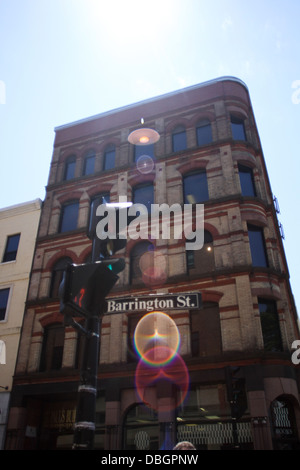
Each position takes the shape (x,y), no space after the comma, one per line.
(203,132)
(4,294)
(238,129)
(69,217)
(57,275)
(89,163)
(141,150)
(257,246)
(206,331)
(247,181)
(70,168)
(141,429)
(109,157)
(284,424)
(270,325)
(179,139)
(201,261)
(104,198)
(144,194)
(11,249)
(141,261)
(195,188)
(53,346)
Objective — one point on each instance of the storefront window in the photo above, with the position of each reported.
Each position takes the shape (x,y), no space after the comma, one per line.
(141,429)
(205,420)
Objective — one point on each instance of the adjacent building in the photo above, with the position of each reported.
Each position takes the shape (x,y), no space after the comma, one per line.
(18,231)
(229,380)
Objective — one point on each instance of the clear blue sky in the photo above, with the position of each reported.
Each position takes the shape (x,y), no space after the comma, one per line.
(64,60)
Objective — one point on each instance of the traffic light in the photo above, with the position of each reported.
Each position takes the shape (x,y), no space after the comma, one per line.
(236,391)
(84,287)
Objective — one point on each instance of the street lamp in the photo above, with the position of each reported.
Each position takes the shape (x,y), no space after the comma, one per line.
(143,136)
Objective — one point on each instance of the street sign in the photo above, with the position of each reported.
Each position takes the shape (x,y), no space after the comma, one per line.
(182,301)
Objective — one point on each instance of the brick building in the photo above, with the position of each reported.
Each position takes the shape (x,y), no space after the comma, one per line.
(240,335)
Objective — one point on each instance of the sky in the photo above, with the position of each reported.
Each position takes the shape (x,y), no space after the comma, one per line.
(65,60)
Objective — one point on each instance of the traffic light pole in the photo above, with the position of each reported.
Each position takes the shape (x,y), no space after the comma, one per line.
(87,391)
(85,425)
(82,293)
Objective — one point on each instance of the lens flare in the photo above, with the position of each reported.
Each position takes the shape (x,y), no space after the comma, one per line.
(153,266)
(174,373)
(156,338)
(145,164)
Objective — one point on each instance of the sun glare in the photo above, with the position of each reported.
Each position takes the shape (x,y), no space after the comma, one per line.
(132,21)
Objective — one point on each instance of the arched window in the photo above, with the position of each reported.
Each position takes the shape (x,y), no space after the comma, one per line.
(109,157)
(237,128)
(69,217)
(284,427)
(203,133)
(247,181)
(103,197)
(89,163)
(53,346)
(141,261)
(205,330)
(57,275)
(203,260)
(179,139)
(141,429)
(195,188)
(70,165)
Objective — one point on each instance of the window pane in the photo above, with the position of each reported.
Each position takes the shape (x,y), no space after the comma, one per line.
(4,293)
(11,249)
(89,164)
(204,135)
(144,195)
(179,140)
(270,325)
(195,188)
(57,275)
(53,345)
(144,250)
(238,129)
(70,169)
(247,181)
(203,260)
(257,246)
(69,217)
(206,331)
(140,150)
(109,158)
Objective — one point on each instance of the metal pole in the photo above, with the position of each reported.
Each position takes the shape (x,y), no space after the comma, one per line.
(85,425)
(87,391)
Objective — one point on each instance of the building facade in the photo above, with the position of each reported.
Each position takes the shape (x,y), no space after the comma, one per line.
(18,231)
(229,381)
